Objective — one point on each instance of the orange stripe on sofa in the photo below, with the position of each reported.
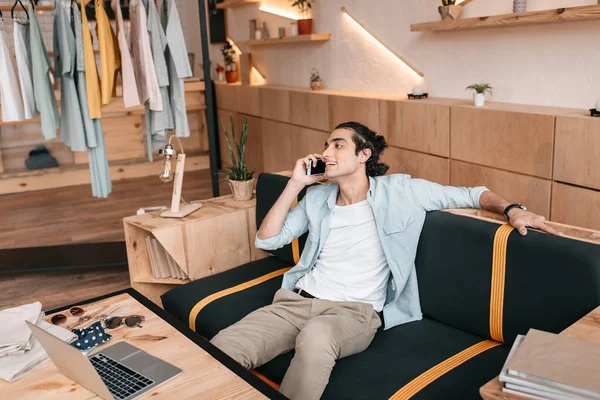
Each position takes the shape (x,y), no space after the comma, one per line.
(497,286)
(421,381)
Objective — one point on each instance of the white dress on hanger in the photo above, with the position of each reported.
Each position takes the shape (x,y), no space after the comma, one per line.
(23,56)
(10,93)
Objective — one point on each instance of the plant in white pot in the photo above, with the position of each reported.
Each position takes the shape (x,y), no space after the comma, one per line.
(450,10)
(480,90)
(241,179)
(316,82)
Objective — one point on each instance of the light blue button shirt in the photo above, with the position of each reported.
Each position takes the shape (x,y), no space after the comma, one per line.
(399,205)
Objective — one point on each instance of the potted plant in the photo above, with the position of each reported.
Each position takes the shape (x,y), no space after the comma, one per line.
(230,66)
(479,95)
(449,10)
(304,23)
(315,80)
(240,177)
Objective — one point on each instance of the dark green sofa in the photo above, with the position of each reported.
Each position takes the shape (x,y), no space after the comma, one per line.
(550,282)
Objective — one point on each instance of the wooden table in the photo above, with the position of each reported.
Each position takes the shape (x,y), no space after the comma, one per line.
(217,237)
(587,328)
(207,372)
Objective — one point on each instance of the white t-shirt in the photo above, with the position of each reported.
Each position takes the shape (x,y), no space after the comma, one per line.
(351,265)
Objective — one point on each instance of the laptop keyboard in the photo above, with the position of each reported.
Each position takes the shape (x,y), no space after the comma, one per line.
(121,381)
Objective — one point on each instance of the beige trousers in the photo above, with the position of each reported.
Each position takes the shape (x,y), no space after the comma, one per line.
(321,331)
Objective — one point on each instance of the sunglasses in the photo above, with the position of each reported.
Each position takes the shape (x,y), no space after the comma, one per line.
(130,321)
(60,319)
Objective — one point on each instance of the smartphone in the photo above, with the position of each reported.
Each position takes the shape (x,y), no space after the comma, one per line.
(318,169)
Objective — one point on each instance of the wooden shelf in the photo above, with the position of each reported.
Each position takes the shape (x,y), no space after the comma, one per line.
(18,9)
(532,17)
(315,37)
(236,3)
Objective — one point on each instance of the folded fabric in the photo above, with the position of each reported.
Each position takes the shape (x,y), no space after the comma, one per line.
(17,366)
(90,337)
(14,333)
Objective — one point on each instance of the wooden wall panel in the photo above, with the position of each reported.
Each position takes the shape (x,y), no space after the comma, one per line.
(358,109)
(125,139)
(310,109)
(513,141)
(417,126)
(22,135)
(198,139)
(276,146)
(275,104)
(225,95)
(533,192)
(306,141)
(577,151)
(575,206)
(248,100)
(13,159)
(418,165)
(194,101)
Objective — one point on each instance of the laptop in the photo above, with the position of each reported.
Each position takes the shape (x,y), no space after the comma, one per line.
(120,371)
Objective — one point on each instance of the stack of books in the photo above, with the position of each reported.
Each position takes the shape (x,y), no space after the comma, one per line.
(544,365)
(161,262)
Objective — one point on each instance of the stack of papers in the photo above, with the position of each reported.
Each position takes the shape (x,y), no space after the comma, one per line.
(20,352)
(161,262)
(544,365)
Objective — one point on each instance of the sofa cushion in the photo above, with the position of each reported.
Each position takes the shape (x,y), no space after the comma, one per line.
(550,282)
(268,189)
(397,356)
(226,310)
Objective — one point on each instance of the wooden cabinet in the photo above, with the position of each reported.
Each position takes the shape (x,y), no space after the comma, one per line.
(310,109)
(510,140)
(357,109)
(418,165)
(248,100)
(226,96)
(276,146)
(516,188)
(575,206)
(416,125)
(275,104)
(577,150)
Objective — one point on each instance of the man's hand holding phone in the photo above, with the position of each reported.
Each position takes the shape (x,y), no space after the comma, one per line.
(299,175)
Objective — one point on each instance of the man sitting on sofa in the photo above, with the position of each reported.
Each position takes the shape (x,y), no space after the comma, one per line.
(357,268)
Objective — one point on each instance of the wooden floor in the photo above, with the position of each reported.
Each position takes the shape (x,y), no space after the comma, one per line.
(71,215)
(58,288)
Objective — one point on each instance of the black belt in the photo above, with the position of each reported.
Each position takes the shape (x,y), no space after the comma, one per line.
(304,293)
(307,295)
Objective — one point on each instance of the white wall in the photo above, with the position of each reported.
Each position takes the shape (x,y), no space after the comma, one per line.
(551,64)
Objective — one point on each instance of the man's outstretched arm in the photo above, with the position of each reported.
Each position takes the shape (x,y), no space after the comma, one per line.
(518,218)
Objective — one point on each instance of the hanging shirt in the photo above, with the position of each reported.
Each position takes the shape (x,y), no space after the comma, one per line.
(91,73)
(109,53)
(130,90)
(23,57)
(158,122)
(71,123)
(45,99)
(10,93)
(142,56)
(178,64)
(97,159)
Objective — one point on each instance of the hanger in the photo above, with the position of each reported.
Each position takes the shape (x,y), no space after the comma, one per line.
(12,10)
